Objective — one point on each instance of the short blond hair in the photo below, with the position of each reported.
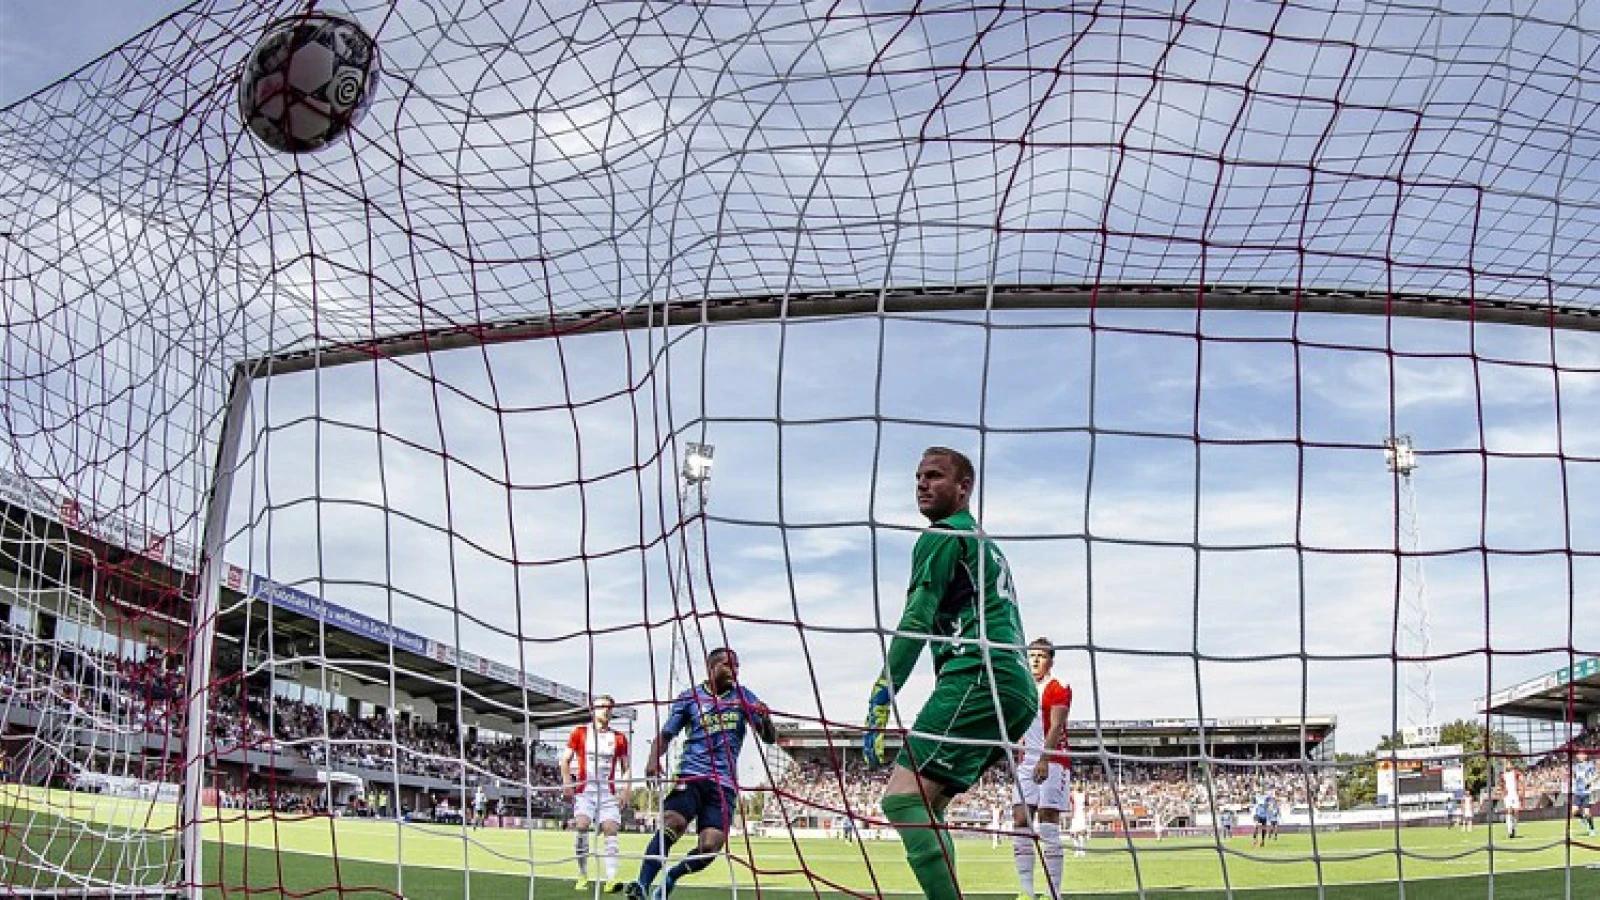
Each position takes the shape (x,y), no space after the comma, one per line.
(963,465)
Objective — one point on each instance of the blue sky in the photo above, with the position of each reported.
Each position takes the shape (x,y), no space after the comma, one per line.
(676,179)
(841,559)
(44,41)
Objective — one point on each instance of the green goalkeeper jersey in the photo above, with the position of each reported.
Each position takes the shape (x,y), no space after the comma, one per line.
(948,567)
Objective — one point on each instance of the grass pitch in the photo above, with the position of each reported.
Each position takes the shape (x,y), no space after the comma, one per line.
(257,856)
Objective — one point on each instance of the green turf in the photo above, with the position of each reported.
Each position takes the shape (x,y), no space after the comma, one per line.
(264,857)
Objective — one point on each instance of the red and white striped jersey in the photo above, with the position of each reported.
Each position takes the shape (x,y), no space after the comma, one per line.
(601,756)
(1052,694)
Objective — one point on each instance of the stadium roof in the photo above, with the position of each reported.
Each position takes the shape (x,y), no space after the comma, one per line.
(120,562)
(1568,694)
(1112,732)
(119,534)
(360,645)
(127,570)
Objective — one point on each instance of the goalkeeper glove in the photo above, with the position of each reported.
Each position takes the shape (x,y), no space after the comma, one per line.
(878,709)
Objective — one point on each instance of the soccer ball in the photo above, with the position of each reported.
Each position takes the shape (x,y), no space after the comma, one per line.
(309,80)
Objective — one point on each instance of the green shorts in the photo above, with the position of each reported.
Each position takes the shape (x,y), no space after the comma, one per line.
(963,707)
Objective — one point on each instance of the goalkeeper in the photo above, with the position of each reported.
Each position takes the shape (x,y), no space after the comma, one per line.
(961,596)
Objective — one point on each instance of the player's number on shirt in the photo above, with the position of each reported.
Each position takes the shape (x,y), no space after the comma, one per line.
(1002,578)
(1002,586)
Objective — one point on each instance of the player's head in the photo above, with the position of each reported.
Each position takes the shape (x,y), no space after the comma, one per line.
(601,708)
(1041,657)
(944,482)
(722,668)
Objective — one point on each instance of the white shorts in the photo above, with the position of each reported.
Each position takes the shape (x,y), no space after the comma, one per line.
(597,804)
(1051,794)
(1079,824)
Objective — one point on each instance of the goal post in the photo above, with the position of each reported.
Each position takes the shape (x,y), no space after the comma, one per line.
(203,637)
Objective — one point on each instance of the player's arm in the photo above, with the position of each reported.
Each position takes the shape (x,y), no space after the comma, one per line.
(932,563)
(1055,730)
(652,760)
(933,566)
(676,720)
(760,718)
(905,648)
(625,769)
(568,753)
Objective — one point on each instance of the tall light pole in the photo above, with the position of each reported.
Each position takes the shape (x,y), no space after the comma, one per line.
(1416,630)
(694,486)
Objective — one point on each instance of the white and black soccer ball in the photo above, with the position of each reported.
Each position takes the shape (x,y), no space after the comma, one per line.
(308,81)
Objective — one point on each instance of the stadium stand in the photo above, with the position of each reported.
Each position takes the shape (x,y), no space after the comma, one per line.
(813,794)
(1545,715)
(1127,787)
(125,694)
(1548,775)
(91,691)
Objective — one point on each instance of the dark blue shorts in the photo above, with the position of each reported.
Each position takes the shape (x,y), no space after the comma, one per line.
(703,802)
(1581,800)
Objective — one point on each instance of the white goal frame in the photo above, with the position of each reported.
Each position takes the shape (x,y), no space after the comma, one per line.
(689,313)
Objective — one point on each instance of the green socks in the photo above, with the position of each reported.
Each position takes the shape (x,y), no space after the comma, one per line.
(929,849)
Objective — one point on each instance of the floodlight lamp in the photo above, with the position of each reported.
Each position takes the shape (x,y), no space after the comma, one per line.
(1399,455)
(697,463)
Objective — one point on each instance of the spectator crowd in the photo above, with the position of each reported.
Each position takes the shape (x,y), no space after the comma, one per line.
(1135,794)
(86,689)
(99,690)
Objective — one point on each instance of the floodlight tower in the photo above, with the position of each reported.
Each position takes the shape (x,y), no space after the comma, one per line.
(1416,629)
(694,487)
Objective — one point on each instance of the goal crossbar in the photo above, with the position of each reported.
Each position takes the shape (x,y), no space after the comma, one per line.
(956,298)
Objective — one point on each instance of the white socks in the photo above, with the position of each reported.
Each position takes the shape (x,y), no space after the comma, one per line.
(580,848)
(1022,849)
(1050,839)
(611,857)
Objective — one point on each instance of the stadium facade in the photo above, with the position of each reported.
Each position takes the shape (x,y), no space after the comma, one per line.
(96,616)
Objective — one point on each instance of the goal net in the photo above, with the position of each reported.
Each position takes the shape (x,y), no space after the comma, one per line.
(93,702)
(338,487)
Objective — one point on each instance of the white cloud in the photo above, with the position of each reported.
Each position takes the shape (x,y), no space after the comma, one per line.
(1285,543)
(601,161)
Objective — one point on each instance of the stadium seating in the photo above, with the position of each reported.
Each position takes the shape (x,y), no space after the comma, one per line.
(1140,794)
(129,695)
